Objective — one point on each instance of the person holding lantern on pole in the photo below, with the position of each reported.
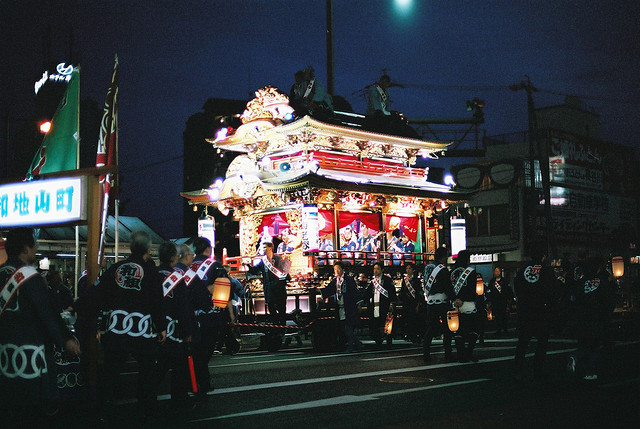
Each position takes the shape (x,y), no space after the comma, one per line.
(464,279)
(437,294)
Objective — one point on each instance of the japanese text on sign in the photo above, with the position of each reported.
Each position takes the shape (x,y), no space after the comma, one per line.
(42,202)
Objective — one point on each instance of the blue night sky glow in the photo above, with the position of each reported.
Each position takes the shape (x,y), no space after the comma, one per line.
(175,54)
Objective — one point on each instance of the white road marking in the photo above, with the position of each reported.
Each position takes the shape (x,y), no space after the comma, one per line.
(338,400)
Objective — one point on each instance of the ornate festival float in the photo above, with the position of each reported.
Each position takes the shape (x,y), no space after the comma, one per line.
(323,192)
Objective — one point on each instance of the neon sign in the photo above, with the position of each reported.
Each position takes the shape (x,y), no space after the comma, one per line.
(43,202)
(63,74)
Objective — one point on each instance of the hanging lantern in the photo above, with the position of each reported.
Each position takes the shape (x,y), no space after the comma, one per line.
(479,285)
(221,292)
(388,324)
(489,314)
(452,320)
(617,266)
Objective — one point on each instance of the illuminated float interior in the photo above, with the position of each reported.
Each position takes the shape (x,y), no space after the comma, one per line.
(323,190)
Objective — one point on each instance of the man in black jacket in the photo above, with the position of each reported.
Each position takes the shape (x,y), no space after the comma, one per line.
(437,294)
(412,300)
(210,319)
(343,290)
(29,328)
(533,286)
(129,298)
(382,298)
(463,280)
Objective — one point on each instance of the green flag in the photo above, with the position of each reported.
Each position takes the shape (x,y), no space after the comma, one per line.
(59,146)
(418,246)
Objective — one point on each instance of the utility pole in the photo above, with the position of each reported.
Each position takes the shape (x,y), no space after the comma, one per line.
(543,159)
(330,83)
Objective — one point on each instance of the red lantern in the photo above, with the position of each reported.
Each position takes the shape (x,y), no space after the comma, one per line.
(388,324)
(617,266)
(479,285)
(221,292)
(452,320)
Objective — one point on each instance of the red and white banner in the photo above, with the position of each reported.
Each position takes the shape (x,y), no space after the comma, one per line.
(107,153)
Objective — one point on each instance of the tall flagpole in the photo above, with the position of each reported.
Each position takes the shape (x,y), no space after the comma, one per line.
(117,199)
(77,256)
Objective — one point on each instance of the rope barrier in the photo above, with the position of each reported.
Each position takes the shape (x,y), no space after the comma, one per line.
(294,327)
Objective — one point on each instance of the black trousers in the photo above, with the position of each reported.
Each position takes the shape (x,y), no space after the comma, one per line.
(437,325)
(467,335)
(202,352)
(173,358)
(528,329)
(148,379)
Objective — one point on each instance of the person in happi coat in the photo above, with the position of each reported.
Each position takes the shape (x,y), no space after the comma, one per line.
(30,327)
(210,320)
(438,293)
(463,280)
(128,297)
(177,309)
(533,287)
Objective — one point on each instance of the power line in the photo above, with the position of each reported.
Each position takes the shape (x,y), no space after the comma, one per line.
(152,164)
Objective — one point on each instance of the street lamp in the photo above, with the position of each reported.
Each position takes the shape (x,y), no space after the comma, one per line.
(45,126)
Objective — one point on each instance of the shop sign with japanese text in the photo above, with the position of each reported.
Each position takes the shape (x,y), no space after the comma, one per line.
(43,202)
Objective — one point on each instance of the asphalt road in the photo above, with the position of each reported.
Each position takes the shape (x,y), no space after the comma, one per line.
(392,387)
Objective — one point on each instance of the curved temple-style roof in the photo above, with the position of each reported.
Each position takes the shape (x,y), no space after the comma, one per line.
(264,138)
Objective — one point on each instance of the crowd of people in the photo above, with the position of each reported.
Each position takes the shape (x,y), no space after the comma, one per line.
(161,316)
(164,316)
(575,300)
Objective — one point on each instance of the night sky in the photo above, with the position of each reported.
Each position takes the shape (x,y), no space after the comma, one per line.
(176,54)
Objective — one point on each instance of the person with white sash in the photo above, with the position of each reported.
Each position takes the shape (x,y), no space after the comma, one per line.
(379,103)
(437,294)
(344,292)
(30,326)
(499,295)
(275,274)
(381,298)
(128,297)
(315,97)
(210,319)
(463,279)
(412,299)
(177,309)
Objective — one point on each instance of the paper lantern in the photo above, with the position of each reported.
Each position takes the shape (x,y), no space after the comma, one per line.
(479,285)
(452,320)
(221,292)
(388,324)
(617,266)
(489,314)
